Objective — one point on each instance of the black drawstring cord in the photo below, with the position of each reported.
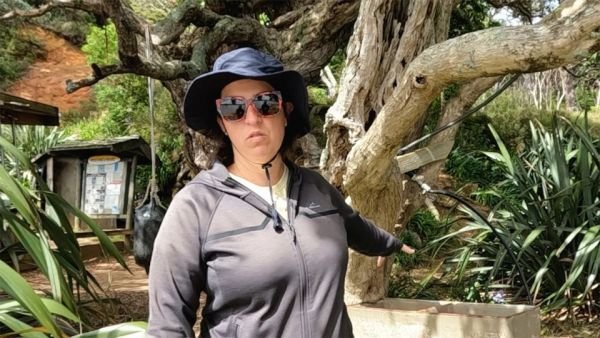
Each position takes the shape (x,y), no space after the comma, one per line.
(427,190)
(276,221)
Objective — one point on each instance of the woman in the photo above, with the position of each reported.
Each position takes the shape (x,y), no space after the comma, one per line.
(264,239)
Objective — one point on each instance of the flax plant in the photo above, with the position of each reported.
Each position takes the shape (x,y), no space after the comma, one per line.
(552,223)
(36,219)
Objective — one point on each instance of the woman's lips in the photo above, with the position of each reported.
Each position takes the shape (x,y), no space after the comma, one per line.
(256,135)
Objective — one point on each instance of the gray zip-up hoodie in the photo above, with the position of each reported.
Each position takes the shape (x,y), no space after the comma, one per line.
(218,237)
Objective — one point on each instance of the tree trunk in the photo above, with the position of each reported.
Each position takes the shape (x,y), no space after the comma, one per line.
(388,35)
(568,88)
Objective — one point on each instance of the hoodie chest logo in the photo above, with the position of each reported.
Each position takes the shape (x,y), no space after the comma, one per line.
(314,205)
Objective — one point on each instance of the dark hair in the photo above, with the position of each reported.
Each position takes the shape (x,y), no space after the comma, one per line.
(224,150)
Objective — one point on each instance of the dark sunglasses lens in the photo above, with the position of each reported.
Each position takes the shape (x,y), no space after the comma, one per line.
(267,104)
(232,108)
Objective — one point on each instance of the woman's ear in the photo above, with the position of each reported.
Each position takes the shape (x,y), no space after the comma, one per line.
(221,125)
(289,108)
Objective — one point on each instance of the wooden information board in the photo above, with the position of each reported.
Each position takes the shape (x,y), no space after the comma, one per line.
(104,185)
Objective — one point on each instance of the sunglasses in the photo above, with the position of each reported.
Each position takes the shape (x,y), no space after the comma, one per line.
(233,108)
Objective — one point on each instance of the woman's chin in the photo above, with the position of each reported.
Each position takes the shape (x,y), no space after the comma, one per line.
(260,157)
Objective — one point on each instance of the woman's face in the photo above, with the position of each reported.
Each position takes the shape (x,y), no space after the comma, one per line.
(257,137)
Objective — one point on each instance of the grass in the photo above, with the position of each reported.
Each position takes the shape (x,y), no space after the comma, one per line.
(593,120)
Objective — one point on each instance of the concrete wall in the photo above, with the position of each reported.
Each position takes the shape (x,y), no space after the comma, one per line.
(394,317)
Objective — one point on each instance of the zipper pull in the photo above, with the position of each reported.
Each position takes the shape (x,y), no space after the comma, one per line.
(276,221)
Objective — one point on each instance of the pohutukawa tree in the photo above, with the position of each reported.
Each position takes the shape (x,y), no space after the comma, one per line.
(399,59)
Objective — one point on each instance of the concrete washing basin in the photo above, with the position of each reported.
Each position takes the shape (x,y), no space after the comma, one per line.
(395,317)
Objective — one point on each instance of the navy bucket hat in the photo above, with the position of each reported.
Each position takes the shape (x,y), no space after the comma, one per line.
(199,107)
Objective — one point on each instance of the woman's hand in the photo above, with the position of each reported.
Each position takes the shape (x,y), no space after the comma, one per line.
(405,248)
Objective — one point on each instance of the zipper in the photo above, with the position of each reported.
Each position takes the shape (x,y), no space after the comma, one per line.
(290,223)
(303,273)
(303,278)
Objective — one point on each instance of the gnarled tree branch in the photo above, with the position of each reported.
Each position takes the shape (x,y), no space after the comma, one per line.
(91,6)
(188,12)
(214,34)
(568,34)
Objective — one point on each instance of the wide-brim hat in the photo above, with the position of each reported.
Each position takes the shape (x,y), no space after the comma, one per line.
(199,104)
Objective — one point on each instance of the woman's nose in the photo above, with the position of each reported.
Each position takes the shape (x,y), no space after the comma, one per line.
(252,115)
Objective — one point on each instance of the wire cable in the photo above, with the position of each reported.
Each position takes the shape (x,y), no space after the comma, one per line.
(427,189)
(473,110)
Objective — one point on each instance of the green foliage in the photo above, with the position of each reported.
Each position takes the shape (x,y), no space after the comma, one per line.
(435,108)
(589,73)
(166,173)
(473,167)
(27,300)
(510,114)
(154,10)
(69,24)
(17,52)
(553,227)
(421,229)
(586,97)
(469,16)
(101,45)
(33,140)
(466,163)
(123,109)
(337,63)
(33,218)
(264,19)
(318,96)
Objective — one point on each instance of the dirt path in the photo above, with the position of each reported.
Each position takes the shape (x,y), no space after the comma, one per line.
(128,292)
(45,79)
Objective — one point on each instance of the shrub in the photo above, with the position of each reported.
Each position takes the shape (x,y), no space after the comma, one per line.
(422,228)
(17,52)
(466,163)
(510,114)
(553,227)
(33,140)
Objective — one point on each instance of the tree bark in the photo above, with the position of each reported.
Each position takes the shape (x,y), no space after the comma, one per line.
(568,89)
(360,154)
(388,35)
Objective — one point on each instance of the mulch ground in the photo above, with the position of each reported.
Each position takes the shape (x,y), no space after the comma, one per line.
(125,296)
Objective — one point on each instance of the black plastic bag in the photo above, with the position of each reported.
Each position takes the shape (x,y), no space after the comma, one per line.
(147,220)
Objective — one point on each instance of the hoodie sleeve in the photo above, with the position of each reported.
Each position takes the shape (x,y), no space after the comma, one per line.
(177,273)
(363,235)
